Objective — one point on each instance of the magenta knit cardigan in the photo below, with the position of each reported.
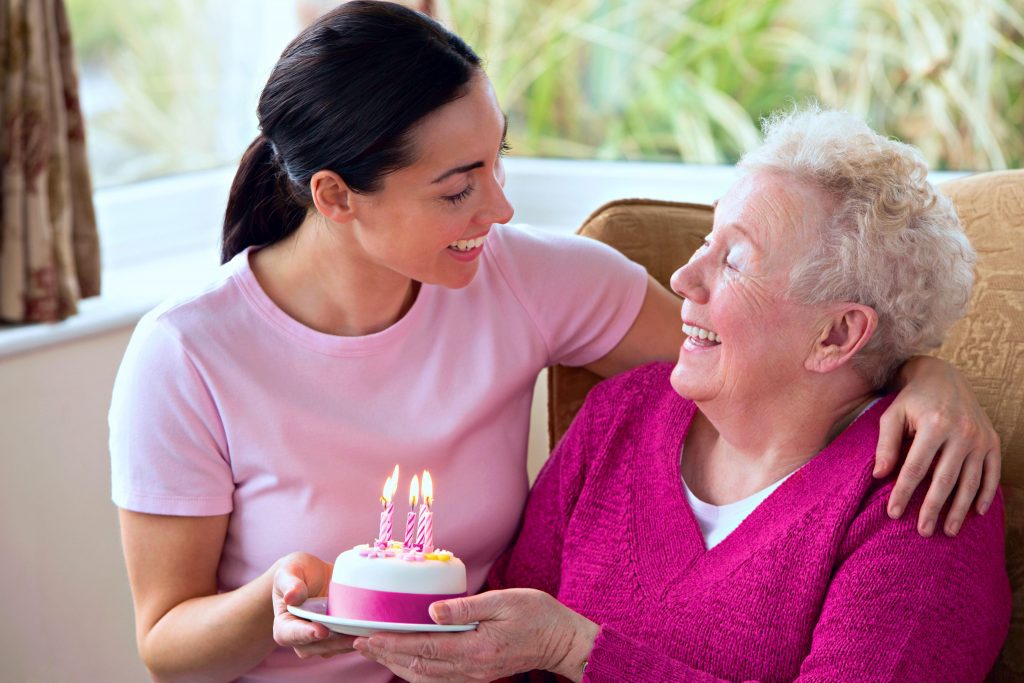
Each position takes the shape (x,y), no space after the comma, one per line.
(817,584)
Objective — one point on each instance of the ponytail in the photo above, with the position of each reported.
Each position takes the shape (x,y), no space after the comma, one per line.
(262,208)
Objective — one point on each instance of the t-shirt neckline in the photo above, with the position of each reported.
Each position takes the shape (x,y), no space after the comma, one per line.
(321,342)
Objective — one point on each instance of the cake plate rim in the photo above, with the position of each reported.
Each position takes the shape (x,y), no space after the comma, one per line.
(315,609)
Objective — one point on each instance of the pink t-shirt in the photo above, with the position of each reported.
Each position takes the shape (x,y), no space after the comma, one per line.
(224,404)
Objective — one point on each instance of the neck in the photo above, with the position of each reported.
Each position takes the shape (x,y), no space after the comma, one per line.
(320,279)
(734,449)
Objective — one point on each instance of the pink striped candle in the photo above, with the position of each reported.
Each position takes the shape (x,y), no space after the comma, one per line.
(387,517)
(410,518)
(425,530)
(386,524)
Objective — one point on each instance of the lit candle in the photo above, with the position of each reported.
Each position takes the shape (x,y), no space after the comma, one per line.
(410,517)
(387,516)
(425,530)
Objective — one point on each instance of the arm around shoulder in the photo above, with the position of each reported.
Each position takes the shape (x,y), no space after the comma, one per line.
(655,335)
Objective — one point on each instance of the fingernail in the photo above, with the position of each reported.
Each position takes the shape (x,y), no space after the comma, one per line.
(984,508)
(927,528)
(895,511)
(441,611)
(359,644)
(952,529)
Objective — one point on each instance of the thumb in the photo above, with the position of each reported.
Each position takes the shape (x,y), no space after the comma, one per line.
(463,610)
(290,587)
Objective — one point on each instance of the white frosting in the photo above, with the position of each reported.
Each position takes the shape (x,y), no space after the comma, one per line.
(395,575)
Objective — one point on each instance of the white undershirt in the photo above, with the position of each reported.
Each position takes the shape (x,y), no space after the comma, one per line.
(718,521)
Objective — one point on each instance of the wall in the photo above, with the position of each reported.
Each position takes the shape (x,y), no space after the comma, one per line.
(68,605)
(69,615)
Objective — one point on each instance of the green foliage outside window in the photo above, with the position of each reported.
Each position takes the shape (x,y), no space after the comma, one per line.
(689,79)
(664,80)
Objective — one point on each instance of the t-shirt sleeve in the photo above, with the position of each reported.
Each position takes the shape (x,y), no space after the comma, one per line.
(168,451)
(582,294)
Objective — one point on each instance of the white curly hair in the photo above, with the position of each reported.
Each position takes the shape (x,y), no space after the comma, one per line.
(893,242)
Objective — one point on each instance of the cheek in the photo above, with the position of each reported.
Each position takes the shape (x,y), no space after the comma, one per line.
(750,302)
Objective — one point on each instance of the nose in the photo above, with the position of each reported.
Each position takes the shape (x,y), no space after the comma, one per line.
(496,207)
(688,283)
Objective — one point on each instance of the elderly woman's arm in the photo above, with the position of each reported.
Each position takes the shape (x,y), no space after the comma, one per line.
(899,607)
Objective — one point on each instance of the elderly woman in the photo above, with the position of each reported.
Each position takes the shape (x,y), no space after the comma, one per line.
(719,520)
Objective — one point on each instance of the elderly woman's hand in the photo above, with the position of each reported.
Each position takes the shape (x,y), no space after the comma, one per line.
(939,410)
(301,576)
(520,629)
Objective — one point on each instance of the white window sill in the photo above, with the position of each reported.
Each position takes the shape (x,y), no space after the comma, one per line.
(163,235)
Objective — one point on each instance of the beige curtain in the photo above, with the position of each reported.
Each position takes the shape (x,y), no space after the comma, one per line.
(49,248)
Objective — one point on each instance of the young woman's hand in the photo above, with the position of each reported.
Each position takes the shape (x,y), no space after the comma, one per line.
(520,629)
(301,576)
(937,407)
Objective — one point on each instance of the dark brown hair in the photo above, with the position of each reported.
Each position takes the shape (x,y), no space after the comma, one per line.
(344,96)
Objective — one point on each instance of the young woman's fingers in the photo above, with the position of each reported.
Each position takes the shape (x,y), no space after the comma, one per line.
(923,449)
(966,490)
(989,480)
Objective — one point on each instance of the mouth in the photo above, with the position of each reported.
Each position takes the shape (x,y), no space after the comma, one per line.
(700,336)
(468,245)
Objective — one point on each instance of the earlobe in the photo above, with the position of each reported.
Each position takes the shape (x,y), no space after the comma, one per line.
(843,335)
(331,196)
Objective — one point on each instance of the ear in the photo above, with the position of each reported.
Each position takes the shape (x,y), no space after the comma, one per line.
(844,333)
(331,196)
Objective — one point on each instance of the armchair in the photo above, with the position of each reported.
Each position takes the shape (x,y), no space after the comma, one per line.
(987,345)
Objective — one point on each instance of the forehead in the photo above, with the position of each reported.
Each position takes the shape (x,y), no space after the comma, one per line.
(462,131)
(773,206)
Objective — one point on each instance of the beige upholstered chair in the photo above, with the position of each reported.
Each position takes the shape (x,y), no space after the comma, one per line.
(988,345)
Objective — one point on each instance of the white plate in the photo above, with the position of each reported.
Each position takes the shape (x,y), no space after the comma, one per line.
(315,609)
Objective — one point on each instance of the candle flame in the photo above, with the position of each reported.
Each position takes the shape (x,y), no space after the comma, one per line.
(414,490)
(428,489)
(390,486)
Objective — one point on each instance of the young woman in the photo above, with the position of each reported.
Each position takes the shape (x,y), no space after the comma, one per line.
(372,310)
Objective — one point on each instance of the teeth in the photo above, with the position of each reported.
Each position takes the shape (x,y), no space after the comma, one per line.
(700,333)
(466,245)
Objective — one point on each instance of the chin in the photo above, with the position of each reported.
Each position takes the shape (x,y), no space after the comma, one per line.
(679,383)
(682,380)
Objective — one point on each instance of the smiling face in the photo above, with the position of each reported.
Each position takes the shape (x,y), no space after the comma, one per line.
(429,220)
(744,338)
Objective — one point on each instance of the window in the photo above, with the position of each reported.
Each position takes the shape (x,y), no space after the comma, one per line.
(688,80)
(170,86)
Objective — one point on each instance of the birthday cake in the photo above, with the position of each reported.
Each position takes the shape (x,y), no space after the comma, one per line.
(388,581)
(391,584)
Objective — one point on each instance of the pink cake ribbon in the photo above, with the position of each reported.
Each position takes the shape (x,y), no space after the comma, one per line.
(349,602)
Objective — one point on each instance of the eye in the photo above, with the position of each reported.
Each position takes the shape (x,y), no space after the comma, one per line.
(504,149)
(456,199)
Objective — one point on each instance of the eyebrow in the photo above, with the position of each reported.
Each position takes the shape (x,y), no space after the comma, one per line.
(475,165)
(746,233)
